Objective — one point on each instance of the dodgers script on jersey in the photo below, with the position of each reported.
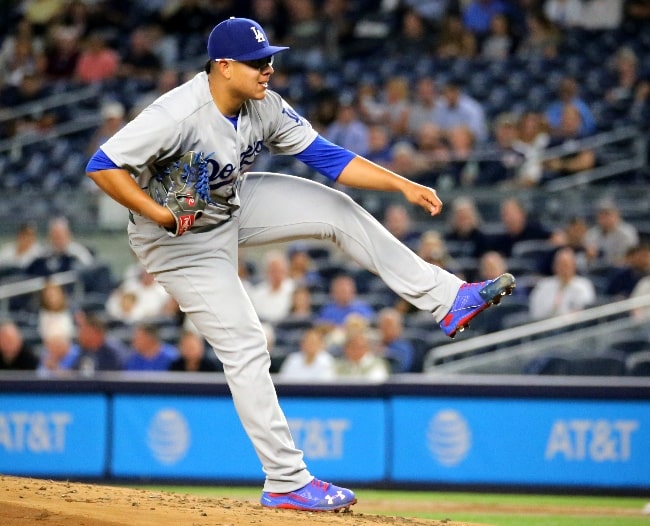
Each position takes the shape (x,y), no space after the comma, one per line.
(186,118)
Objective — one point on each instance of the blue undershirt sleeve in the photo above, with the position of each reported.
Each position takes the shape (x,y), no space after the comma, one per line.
(100,161)
(325,157)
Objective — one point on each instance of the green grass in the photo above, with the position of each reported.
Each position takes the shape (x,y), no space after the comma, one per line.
(494,509)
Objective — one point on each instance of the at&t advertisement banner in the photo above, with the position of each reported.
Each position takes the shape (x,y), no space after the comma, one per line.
(53,435)
(173,436)
(565,442)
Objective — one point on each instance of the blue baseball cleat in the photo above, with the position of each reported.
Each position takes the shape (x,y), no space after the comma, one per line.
(315,496)
(473,298)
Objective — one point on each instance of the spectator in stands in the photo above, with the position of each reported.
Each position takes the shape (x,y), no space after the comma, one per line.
(567,133)
(62,252)
(343,301)
(611,237)
(532,139)
(348,129)
(502,162)
(491,265)
(60,353)
(379,145)
(302,307)
(99,352)
(572,234)
(97,61)
(637,12)
(61,53)
(464,231)
(601,14)
(415,36)
(113,118)
(395,102)
(309,34)
(434,152)
(541,40)
(22,251)
(563,292)
(394,347)
(499,42)
(150,352)
(431,248)
(193,357)
(568,95)
(21,54)
(80,17)
(422,109)
(457,108)
(311,362)
(478,15)
(631,89)
(565,14)
(271,297)
(41,14)
(462,167)
(140,299)
(518,226)
(301,267)
(622,279)
(407,161)
(455,41)
(360,360)
(14,353)
(398,221)
(54,313)
(140,63)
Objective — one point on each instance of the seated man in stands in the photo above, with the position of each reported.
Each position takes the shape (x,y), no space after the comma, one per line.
(573,161)
(14,354)
(150,352)
(99,352)
(62,252)
(564,292)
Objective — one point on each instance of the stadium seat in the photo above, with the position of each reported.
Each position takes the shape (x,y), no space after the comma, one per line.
(547,365)
(604,365)
(638,364)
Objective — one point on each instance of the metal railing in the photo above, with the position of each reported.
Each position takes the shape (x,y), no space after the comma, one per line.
(32,285)
(529,333)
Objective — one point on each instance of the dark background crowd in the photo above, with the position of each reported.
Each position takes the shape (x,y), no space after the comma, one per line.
(494,97)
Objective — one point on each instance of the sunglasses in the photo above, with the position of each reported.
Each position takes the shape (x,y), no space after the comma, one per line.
(259,64)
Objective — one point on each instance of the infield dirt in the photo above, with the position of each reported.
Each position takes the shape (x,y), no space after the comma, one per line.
(33,502)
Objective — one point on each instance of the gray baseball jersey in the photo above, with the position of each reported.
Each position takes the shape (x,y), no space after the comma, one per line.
(199,268)
(186,118)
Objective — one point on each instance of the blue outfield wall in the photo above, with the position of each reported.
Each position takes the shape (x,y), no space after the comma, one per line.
(476,432)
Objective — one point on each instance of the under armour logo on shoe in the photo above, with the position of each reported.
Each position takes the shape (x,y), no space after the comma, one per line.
(259,36)
(330,498)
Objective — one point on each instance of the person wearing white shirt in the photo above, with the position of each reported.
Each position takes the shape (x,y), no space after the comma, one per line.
(272,296)
(23,250)
(564,292)
(312,362)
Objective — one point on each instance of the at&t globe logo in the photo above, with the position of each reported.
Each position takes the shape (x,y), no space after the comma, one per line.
(168,436)
(449,437)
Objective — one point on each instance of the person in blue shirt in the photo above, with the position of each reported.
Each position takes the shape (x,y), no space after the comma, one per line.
(150,353)
(568,94)
(396,348)
(343,302)
(60,354)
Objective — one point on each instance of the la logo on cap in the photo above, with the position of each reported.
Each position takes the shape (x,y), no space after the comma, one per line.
(259,36)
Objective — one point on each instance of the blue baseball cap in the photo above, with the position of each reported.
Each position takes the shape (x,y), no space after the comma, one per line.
(240,39)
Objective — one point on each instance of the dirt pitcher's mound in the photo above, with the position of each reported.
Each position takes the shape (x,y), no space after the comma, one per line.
(29,502)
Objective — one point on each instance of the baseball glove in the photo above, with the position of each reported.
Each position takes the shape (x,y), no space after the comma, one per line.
(183,188)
